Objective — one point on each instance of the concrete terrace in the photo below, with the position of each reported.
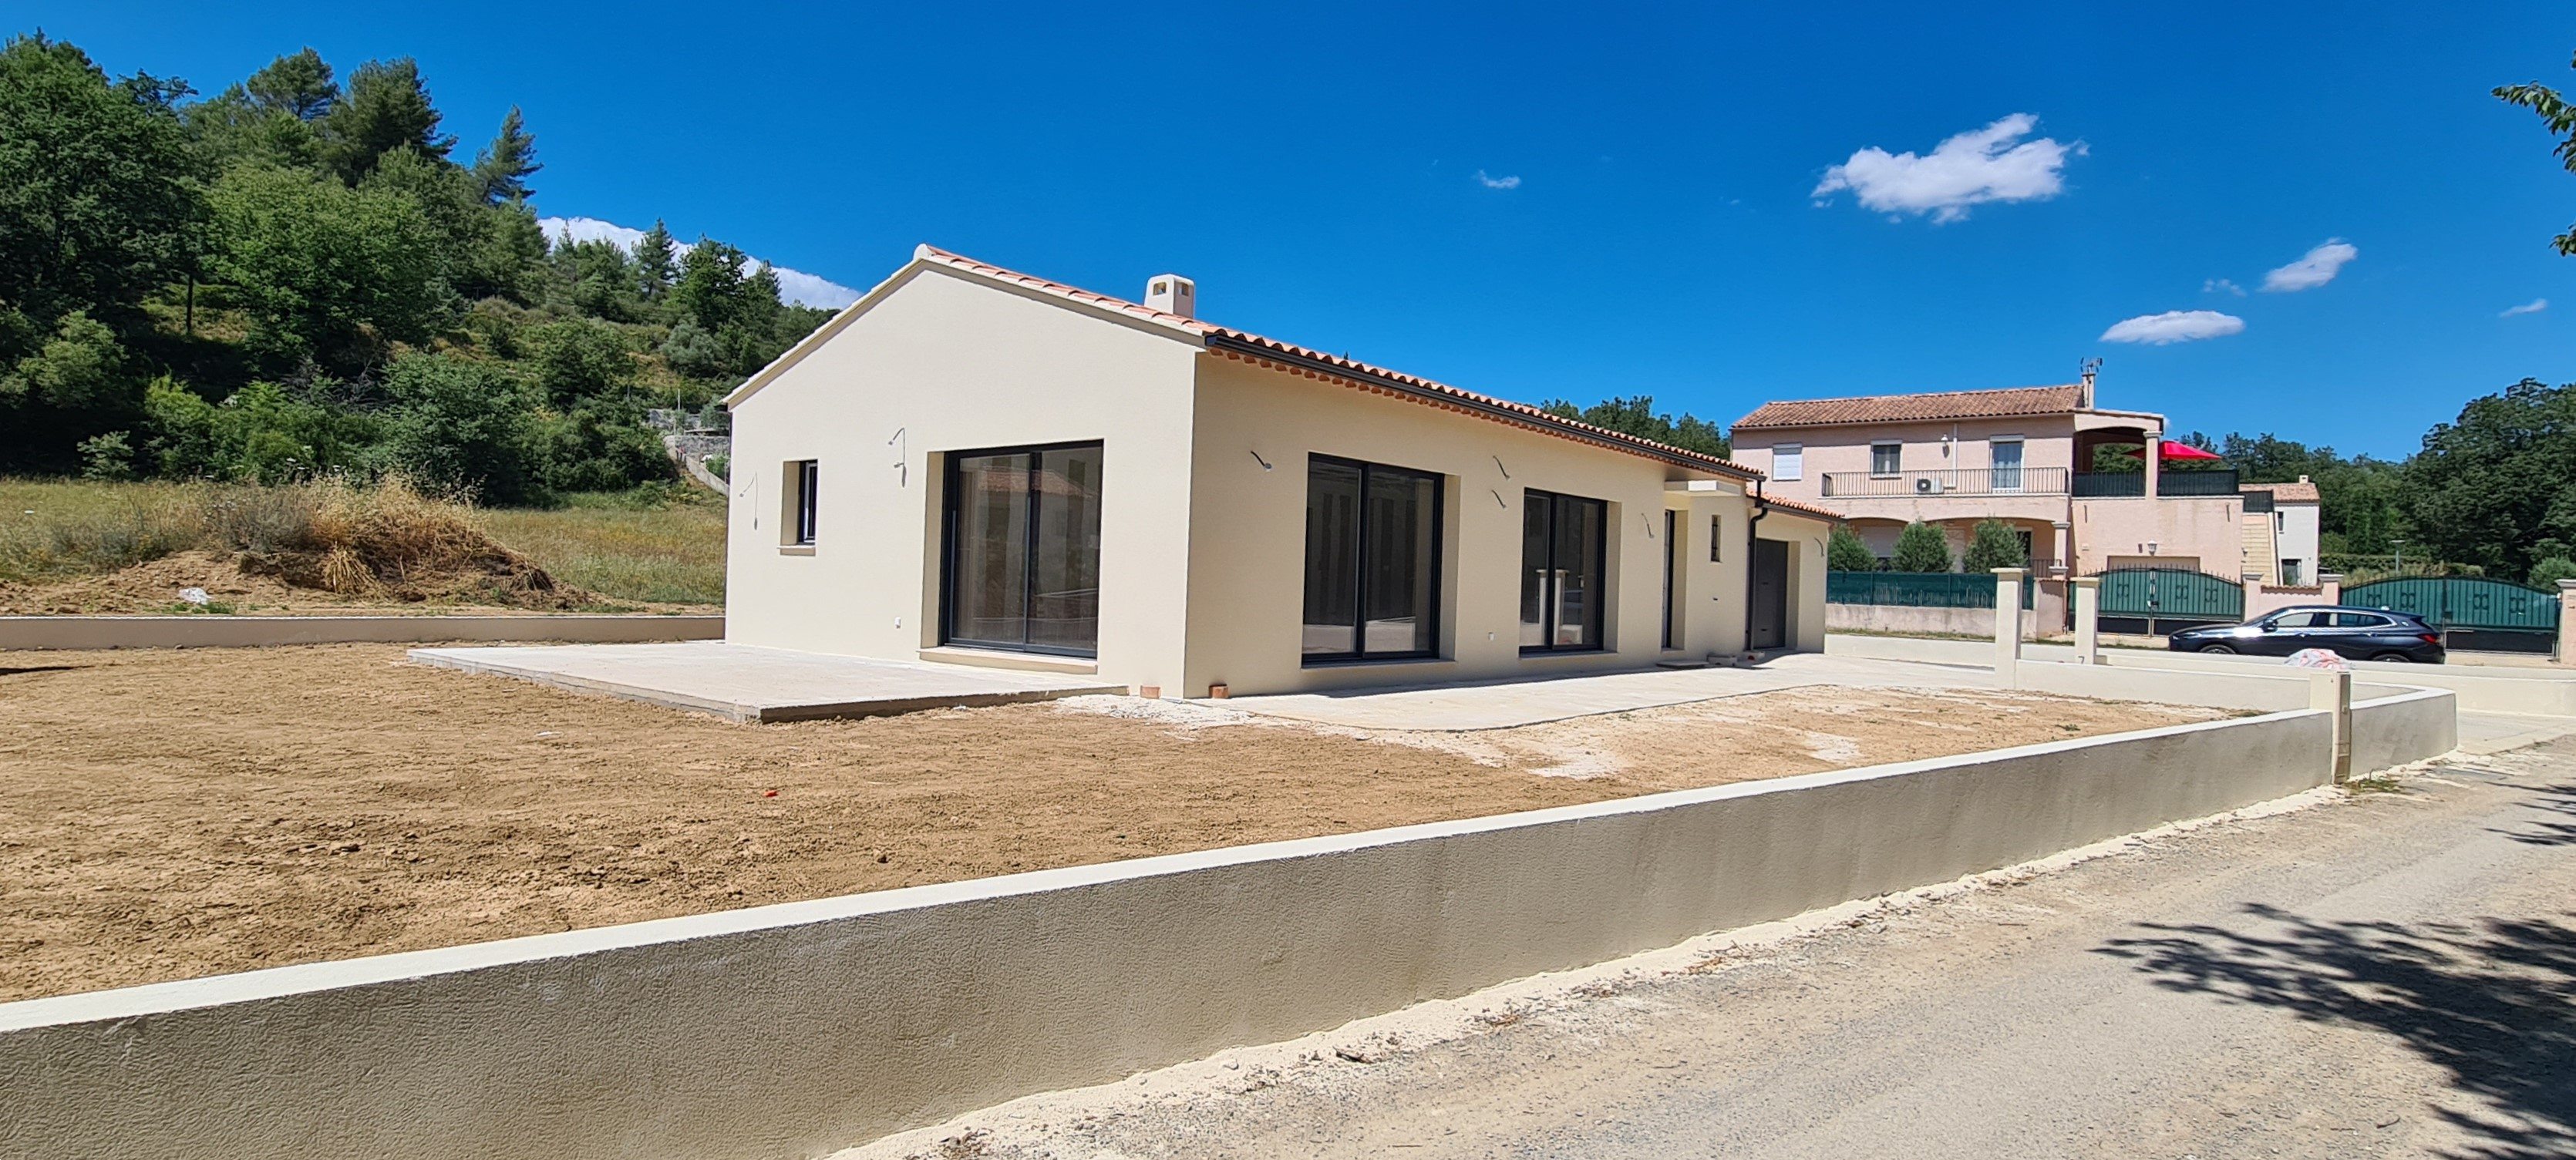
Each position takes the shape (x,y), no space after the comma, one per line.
(750,683)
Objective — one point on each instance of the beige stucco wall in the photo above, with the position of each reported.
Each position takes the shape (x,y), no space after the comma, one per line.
(957,364)
(2208,530)
(1247,538)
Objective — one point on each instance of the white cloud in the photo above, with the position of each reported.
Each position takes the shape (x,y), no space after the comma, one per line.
(2534,306)
(793,285)
(1972,168)
(1513,182)
(2174,326)
(2318,267)
(2221,286)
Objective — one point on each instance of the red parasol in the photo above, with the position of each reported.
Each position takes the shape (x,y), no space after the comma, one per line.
(2173,450)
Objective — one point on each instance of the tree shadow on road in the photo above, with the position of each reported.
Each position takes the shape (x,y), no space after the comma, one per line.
(2559,801)
(2492,1000)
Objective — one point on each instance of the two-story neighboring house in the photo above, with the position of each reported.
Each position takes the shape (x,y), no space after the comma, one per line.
(2022,455)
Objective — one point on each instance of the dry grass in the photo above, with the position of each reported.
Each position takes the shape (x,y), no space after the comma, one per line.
(388,543)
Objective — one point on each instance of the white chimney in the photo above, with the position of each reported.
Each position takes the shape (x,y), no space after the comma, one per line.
(1173,294)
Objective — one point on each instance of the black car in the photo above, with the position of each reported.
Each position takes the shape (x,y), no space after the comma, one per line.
(2361,634)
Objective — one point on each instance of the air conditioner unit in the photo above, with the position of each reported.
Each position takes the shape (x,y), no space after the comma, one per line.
(1925,486)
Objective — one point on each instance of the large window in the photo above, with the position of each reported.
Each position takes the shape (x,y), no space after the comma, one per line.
(2006,450)
(1372,561)
(1023,557)
(1563,544)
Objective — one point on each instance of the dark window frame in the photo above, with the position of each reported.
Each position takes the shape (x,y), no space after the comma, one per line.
(1672,571)
(808,482)
(948,517)
(1554,601)
(1895,449)
(1360,653)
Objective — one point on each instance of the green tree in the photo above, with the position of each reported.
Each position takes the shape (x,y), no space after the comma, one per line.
(2490,485)
(1844,551)
(504,166)
(1636,415)
(463,424)
(692,351)
(599,446)
(327,272)
(1921,548)
(1993,544)
(100,190)
(2560,116)
(74,385)
(654,263)
(2549,571)
(300,86)
(711,288)
(386,108)
(579,359)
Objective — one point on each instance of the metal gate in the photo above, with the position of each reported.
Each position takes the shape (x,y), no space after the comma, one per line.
(2155,601)
(2471,612)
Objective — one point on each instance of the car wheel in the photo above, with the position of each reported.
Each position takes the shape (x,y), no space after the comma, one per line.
(2218,648)
(2394,658)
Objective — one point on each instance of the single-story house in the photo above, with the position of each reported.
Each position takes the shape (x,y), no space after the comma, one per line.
(974,465)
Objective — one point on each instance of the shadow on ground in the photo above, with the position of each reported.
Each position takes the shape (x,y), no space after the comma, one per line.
(2492,1000)
(2559,828)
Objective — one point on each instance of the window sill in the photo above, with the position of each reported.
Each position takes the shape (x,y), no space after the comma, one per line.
(1369,662)
(999,658)
(795,549)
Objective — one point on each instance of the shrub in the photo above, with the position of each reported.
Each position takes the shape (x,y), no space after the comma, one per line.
(1994,544)
(595,448)
(464,426)
(2547,573)
(1844,551)
(1921,548)
(109,456)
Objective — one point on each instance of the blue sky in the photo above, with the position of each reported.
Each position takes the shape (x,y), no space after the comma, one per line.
(1648,217)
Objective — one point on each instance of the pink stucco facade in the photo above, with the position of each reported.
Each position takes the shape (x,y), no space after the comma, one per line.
(2029,470)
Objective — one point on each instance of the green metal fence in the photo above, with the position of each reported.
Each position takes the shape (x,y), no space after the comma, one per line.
(1918,589)
(2168,598)
(2461,602)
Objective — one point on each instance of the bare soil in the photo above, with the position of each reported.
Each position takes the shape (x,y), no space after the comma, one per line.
(170,814)
(154,587)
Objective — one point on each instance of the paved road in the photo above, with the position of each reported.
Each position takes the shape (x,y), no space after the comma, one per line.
(2390,975)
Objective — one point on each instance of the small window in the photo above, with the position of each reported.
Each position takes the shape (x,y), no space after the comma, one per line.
(802,476)
(1716,537)
(1789,461)
(2290,572)
(1884,458)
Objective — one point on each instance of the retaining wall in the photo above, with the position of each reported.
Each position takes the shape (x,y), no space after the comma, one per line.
(798,1029)
(97,632)
(1907,618)
(2483,690)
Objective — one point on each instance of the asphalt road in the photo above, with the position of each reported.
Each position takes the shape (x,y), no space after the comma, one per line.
(2393,974)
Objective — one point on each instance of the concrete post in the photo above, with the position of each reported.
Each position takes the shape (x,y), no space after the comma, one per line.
(2088,619)
(2008,625)
(2330,586)
(2567,623)
(2154,453)
(2332,692)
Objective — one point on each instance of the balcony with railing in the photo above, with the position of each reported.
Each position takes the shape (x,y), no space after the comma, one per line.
(1955,481)
(2169,484)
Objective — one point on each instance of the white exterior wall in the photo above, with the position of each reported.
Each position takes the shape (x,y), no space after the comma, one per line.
(2294,537)
(958,364)
(1247,542)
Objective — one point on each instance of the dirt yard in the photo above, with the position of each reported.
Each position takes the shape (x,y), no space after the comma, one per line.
(169,814)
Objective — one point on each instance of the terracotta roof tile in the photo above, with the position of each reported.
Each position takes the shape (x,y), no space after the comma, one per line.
(1808,508)
(2008,401)
(1438,393)
(2285,492)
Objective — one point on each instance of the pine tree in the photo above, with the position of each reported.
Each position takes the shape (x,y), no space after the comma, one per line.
(301,86)
(386,108)
(654,262)
(504,166)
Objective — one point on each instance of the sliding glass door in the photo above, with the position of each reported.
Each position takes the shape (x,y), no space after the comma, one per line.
(1023,551)
(1563,544)
(1372,561)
